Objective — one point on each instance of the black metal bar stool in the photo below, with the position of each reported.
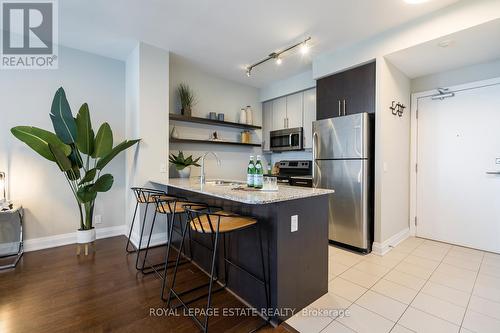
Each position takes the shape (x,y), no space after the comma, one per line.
(170,205)
(144,196)
(214,221)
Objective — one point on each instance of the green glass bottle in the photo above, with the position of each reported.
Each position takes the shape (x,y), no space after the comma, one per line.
(250,172)
(258,179)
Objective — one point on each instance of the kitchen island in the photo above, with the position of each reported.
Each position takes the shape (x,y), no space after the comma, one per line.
(296,257)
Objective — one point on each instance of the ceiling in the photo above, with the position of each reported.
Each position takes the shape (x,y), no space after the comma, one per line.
(471,46)
(223,37)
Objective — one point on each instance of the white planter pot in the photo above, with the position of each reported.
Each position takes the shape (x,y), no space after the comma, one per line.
(185,173)
(85,236)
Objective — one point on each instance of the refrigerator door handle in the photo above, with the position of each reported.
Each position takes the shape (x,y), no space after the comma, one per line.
(315,148)
(344,106)
(339,108)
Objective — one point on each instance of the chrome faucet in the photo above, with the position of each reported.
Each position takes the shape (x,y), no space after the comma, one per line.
(202,177)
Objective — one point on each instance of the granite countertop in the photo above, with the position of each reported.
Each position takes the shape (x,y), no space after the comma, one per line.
(253,197)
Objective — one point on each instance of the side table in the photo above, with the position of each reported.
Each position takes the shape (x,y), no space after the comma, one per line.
(9,215)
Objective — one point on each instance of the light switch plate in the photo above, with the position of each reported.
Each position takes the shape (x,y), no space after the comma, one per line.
(294,225)
(98,219)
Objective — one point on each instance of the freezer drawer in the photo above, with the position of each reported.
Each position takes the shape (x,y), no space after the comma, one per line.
(349,221)
(342,137)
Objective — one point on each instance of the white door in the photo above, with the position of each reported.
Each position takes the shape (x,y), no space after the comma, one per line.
(267,123)
(294,107)
(458,143)
(279,113)
(309,116)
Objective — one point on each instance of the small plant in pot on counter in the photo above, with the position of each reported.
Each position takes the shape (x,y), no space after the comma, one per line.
(186,96)
(80,154)
(183,165)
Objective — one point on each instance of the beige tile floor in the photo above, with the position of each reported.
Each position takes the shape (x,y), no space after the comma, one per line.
(419,286)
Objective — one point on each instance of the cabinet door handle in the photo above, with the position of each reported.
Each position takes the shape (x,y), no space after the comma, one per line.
(339,108)
(284,122)
(344,106)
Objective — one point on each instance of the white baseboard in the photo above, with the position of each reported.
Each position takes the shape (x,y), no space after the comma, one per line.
(156,239)
(69,238)
(384,247)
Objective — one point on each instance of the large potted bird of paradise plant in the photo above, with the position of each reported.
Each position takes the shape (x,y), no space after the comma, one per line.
(80,154)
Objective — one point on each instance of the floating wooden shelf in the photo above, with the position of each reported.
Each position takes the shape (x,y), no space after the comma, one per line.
(178,117)
(172,140)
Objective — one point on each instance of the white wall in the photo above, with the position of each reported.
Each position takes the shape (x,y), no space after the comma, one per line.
(392,153)
(477,72)
(293,84)
(214,94)
(37,183)
(147,86)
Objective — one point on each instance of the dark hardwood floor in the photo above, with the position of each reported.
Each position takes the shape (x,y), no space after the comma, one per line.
(53,290)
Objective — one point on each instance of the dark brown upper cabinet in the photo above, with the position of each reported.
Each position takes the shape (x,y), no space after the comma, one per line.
(348,92)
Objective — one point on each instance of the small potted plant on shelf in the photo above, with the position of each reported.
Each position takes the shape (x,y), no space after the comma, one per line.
(183,165)
(186,96)
(80,154)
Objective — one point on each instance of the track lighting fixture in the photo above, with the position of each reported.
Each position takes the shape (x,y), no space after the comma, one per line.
(304,49)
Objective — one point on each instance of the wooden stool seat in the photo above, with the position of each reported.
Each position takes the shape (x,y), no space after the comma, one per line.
(227,223)
(151,198)
(168,207)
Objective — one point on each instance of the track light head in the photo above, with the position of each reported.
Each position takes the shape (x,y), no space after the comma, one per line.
(304,48)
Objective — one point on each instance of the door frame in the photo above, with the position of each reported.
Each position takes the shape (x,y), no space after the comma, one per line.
(415,97)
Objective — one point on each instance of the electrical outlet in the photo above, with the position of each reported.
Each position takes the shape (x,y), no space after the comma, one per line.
(294,225)
(98,219)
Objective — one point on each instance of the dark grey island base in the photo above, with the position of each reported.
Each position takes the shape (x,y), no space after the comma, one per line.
(296,262)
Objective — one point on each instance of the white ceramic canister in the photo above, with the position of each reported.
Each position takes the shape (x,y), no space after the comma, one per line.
(249,114)
(243,116)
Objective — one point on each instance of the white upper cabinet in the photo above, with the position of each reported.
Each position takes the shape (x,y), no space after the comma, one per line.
(296,110)
(294,107)
(309,115)
(279,113)
(267,124)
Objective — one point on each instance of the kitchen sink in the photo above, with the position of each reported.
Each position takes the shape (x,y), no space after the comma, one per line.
(222,182)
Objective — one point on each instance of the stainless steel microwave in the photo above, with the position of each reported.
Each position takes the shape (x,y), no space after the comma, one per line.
(287,139)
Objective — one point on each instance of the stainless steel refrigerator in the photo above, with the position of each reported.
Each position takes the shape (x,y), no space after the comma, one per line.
(342,154)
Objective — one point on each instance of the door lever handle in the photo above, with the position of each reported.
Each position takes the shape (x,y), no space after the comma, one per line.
(493,172)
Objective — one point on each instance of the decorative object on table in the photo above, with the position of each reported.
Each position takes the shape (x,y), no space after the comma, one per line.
(173,133)
(183,165)
(214,136)
(245,137)
(187,98)
(212,116)
(249,115)
(243,116)
(4,203)
(220,117)
(79,154)
(10,248)
(270,183)
(397,108)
